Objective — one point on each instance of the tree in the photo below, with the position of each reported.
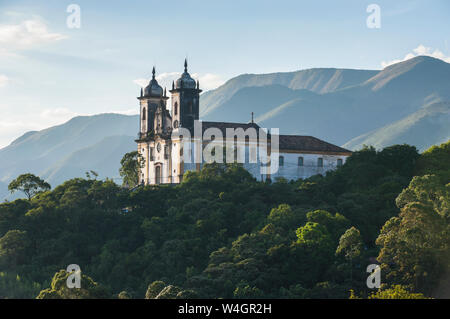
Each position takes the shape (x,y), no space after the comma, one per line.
(154,289)
(415,246)
(59,290)
(350,244)
(13,248)
(131,164)
(434,161)
(396,292)
(29,184)
(124,295)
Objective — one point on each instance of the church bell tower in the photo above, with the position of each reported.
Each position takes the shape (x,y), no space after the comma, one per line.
(185,101)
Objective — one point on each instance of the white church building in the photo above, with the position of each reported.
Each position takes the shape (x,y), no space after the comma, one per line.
(172,143)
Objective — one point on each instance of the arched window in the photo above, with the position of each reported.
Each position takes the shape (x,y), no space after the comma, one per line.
(175,108)
(300,161)
(320,162)
(281,160)
(144,117)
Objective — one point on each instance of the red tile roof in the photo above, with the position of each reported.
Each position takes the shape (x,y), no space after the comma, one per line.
(286,142)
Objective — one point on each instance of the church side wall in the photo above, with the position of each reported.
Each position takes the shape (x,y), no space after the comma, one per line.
(290,170)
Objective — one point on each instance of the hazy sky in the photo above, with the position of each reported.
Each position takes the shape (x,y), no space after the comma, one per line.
(50,73)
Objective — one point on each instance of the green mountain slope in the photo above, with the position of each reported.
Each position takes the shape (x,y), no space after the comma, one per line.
(424,128)
(48,153)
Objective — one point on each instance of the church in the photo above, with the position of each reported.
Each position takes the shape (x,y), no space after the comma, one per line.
(173,142)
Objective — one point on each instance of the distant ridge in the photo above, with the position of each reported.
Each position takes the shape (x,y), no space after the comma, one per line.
(68,150)
(427,127)
(332,104)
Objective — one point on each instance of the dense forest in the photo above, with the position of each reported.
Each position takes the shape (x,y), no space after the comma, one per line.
(222,234)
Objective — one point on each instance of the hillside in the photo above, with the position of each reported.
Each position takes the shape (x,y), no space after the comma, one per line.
(70,149)
(424,128)
(223,234)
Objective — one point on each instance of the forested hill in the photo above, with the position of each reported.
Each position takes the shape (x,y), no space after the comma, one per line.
(222,234)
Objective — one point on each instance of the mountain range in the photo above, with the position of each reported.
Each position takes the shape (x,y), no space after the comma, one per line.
(336,105)
(69,150)
(407,102)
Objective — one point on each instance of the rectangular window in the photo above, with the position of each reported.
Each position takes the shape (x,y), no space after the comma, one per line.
(339,162)
(166,152)
(320,162)
(152,152)
(281,160)
(300,161)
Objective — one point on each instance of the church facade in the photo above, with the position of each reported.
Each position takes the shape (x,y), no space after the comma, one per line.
(171,143)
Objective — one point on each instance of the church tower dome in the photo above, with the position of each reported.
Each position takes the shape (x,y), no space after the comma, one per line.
(153,89)
(185,81)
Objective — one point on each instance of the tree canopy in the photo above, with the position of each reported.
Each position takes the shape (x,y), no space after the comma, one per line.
(222,234)
(29,184)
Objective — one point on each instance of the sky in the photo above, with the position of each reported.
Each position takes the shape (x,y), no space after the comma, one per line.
(51,71)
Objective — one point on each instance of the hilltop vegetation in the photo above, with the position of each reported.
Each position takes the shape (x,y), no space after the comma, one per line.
(222,234)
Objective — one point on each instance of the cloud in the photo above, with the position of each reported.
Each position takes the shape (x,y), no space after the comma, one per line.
(420,50)
(26,34)
(3,80)
(133,111)
(15,120)
(57,115)
(209,81)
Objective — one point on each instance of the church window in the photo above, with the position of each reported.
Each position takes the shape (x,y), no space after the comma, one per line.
(339,162)
(166,151)
(181,151)
(175,124)
(152,153)
(176,108)
(143,114)
(320,162)
(300,161)
(281,160)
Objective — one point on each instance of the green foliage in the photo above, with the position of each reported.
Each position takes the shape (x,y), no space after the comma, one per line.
(131,164)
(396,292)
(124,295)
(350,244)
(13,248)
(13,286)
(415,246)
(29,184)
(59,290)
(222,234)
(154,289)
(435,161)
